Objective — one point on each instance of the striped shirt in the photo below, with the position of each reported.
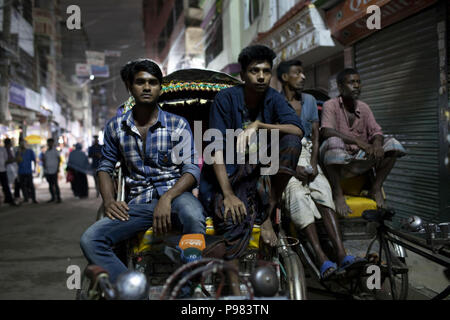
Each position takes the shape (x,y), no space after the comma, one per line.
(151,173)
(364,127)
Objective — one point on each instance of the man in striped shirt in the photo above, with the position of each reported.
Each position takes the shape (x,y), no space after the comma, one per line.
(354,141)
(159,182)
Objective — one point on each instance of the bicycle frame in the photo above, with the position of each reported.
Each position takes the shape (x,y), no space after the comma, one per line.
(424,250)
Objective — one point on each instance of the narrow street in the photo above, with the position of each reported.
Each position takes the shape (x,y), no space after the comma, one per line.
(38,242)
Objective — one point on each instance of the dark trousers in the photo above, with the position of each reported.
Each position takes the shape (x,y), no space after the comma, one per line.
(17,188)
(79,184)
(27,186)
(5,187)
(53,187)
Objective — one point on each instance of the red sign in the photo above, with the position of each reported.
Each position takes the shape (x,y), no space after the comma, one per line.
(348,20)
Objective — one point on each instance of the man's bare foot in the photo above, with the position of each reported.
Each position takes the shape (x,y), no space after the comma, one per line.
(377,195)
(268,234)
(342,208)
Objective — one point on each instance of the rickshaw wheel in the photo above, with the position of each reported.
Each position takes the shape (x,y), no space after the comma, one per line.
(399,274)
(292,278)
(83,292)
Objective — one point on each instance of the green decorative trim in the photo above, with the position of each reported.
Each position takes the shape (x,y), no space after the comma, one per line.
(181,86)
(195,86)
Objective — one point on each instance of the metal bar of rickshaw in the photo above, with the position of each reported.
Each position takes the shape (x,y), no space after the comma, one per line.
(435,257)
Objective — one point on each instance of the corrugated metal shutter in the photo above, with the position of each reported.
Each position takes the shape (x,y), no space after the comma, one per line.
(399,75)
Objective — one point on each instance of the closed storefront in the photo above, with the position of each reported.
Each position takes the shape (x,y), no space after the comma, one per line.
(400,74)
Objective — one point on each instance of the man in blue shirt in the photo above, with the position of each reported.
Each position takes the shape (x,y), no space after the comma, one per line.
(25,157)
(238,195)
(142,139)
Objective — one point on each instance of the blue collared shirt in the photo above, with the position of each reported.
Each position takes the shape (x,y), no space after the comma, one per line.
(228,108)
(309,113)
(154,170)
(27,158)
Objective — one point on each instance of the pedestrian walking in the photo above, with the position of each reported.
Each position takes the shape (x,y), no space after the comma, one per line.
(25,157)
(78,166)
(5,159)
(41,163)
(95,152)
(52,161)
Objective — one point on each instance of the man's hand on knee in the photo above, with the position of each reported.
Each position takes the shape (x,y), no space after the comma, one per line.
(117,210)
(378,153)
(235,207)
(162,222)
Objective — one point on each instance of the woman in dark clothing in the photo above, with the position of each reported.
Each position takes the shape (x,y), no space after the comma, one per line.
(78,165)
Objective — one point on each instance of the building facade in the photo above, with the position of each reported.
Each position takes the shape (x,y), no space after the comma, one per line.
(173,35)
(34,102)
(403,66)
(404,74)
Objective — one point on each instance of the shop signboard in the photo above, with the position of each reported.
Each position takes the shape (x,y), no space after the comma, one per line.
(348,20)
(82,70)
(17,94)
(113,53)
(32,100)
(95,58)
(100,71)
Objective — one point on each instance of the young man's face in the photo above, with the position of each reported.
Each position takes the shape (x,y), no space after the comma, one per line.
(295,78)
(145,88)
(257,76)
(351,88)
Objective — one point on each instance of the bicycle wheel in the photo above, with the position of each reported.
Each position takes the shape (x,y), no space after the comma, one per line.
(394,281)
(292,274)
(83,292)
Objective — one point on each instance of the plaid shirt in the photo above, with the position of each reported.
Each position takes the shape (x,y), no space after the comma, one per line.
(156,169)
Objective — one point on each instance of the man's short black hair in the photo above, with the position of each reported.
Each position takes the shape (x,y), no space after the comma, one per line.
(255,53)
(50,140)
(346,72)
(285,66)
(7,141)
(133,67)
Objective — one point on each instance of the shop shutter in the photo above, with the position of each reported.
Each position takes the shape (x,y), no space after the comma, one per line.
(399,74)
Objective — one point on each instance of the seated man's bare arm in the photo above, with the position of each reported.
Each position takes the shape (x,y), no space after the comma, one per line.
(232,204)
(283,128)
(162,222)
(113,209)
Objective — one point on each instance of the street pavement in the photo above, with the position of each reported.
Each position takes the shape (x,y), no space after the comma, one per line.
(38,242)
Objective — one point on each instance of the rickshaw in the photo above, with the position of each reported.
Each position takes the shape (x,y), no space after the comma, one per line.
(189,93)
(365,235)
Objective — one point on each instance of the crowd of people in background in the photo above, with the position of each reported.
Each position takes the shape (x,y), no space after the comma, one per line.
(20,169)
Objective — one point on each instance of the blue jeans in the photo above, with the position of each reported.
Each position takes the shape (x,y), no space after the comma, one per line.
(97,242)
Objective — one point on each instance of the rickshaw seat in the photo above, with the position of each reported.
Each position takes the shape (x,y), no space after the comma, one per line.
(356,195)
(359,204)
(145,241)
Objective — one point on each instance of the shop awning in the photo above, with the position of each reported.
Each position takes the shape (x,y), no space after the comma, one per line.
(34,139)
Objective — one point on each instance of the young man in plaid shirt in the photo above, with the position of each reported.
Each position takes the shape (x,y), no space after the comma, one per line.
(160,190)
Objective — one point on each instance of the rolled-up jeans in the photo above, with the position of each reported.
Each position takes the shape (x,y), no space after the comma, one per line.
(187,216)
